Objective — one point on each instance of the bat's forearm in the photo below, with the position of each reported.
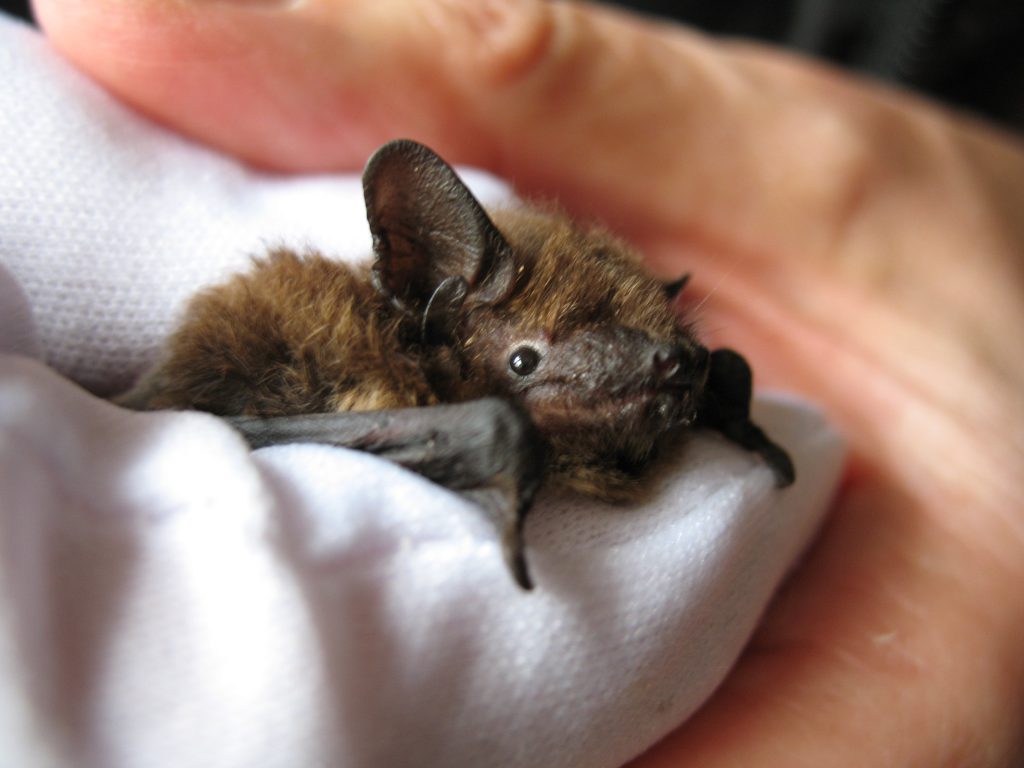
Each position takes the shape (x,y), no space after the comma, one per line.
(372,431)
(486,448)
(458,444)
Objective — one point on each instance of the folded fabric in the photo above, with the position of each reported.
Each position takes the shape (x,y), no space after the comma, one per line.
(168,597)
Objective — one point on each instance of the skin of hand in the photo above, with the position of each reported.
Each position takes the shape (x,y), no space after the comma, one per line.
(861,247)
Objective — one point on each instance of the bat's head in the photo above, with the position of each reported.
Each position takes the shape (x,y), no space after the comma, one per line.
(528,306)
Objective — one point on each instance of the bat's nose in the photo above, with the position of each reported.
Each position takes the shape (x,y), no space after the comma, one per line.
(670,369)
(675,366)
(667,363)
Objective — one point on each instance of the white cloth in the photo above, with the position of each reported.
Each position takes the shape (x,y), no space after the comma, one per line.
(168,598)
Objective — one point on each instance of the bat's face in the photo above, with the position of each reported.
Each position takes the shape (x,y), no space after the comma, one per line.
(605,375)
(602,396)
(523,304)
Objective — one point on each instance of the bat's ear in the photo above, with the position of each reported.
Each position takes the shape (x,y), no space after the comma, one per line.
(427,228)
(676,287)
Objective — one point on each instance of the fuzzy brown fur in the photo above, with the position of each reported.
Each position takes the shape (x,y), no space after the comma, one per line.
(297,334)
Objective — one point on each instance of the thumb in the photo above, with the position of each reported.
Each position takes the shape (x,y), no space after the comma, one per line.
(650,127)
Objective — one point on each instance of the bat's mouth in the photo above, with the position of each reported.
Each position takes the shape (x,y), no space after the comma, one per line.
(650,392)
(673,409)
(651,409)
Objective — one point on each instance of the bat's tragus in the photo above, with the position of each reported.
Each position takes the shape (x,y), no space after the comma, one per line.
(485,351)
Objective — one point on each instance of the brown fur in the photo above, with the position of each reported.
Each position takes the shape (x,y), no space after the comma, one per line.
(579,277)
(297,334)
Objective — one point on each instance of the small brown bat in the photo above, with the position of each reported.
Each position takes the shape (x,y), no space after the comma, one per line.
(484,351)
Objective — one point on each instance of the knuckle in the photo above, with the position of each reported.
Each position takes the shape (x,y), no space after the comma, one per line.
(506,41)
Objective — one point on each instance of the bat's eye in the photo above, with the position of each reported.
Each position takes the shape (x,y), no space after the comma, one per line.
(524,360)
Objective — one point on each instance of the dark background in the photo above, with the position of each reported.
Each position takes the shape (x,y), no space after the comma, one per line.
(967,53)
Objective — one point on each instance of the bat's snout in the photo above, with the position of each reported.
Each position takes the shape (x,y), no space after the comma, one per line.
(676,367)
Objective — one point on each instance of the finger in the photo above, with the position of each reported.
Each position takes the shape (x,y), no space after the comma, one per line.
(645,125)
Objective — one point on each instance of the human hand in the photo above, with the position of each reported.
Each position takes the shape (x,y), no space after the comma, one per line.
(858,246)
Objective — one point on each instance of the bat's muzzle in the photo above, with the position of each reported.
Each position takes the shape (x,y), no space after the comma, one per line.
(680,368)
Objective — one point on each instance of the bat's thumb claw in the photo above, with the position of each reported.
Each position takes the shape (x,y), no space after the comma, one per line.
(514,551)
(509,522)
(785,474)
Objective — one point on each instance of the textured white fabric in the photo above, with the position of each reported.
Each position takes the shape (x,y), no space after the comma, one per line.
(168,598)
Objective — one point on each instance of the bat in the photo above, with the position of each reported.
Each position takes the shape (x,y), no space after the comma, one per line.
(487,351)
